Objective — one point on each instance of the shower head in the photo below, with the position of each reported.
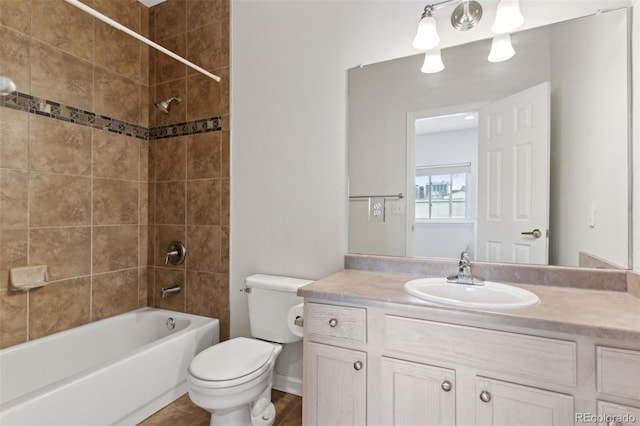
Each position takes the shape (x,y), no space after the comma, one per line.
(7,86)
(164,106)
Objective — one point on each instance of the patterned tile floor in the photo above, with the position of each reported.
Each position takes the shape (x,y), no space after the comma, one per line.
(183,412)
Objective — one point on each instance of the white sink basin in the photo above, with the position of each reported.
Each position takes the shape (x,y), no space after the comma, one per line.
(488,296)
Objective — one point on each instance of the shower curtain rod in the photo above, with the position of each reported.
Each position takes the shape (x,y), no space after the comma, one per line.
(135,35)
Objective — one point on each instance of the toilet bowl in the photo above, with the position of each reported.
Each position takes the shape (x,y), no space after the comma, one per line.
(232,380)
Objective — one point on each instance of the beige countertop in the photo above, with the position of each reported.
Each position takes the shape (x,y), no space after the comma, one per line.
(597,313)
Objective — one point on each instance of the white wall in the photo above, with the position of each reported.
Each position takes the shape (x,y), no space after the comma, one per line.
(288,112)
(589,142)
(636,134)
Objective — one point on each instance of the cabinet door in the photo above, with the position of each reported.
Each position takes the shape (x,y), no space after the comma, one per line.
(417,394)
(616,414)
(507,404)
(335,382)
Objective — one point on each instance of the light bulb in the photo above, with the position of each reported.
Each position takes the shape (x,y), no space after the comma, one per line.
(427,35)
(432,62)
(508,17)
(501,48)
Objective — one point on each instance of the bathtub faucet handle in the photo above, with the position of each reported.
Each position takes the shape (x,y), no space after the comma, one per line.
(176,253)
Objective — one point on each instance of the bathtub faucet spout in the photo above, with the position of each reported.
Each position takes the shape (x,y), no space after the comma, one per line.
(169,291)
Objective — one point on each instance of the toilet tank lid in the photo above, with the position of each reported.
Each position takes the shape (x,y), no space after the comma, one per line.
(274,282)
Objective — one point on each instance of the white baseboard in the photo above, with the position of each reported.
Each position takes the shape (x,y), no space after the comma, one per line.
(287,384)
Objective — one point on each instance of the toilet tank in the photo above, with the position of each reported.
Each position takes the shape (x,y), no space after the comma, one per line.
(270,298)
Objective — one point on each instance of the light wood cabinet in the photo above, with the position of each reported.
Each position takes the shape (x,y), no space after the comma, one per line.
(417,394)
(506,404)
(334,386)
(395,365)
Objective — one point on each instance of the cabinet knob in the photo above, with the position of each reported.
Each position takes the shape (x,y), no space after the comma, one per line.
(333,322)
(446,386)
(357,365)
(485,396)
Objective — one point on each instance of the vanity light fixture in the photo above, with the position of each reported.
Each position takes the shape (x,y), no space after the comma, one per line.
(465,16)
(501,48)
(432,62)
(508,17)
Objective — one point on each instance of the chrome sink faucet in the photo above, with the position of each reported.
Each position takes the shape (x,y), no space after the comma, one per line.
(464,272)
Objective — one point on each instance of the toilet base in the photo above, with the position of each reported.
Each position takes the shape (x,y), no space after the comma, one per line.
(242,416)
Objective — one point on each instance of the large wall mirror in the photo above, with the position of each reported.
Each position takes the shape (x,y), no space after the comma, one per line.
(523,161)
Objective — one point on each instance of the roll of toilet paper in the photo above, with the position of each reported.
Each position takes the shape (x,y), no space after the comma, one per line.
(295,312)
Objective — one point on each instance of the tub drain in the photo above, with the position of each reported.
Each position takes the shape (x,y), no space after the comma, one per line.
(171,323)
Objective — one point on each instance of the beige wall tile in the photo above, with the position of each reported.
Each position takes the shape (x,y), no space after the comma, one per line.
(66,251)
(16,14)
(152,97)
(14,51)
(224,248)
(63,26)
(170,159)
(114,293)
(167,68)
(143,284)
(178,111)
(115,248)
(61,77)
(59,200)
(116,96)
(222,306)
(115,156)
(14,139)
(224,202)
(203,155)
(117,51)
(170,18)
(143,203)
(115,202)
(144,161)
(151,218)
(13,253)
(225,94)
(14,187)
(151,300)
(203,245)
(203,97)
(170,202)
(201,298)
(164,235)
(143,245)
(13,318)
(225,158)
(144,106)
(204,47)
(59,147)
(165,277)
(59,306)
(126,12)
(204,12)
(203,202)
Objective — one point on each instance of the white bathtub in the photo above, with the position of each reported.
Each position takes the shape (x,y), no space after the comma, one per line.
(118,370)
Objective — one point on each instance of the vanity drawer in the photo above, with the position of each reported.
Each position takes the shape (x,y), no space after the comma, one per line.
(339,323)
(618,371)
(617,414)
(516,355)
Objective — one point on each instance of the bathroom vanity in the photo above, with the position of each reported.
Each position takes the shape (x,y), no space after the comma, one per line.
(375,355)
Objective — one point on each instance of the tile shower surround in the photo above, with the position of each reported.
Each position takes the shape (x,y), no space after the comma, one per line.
(78,188)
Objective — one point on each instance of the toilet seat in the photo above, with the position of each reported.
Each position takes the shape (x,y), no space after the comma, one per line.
(232,363)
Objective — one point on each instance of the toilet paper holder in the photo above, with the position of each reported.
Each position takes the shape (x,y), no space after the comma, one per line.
(299,321)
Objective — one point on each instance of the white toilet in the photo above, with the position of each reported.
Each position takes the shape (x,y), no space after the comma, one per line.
(233,379)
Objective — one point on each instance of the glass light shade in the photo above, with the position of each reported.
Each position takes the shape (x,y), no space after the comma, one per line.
(501,48)
(432,62)
(427,35)
(7,86)
(508,17)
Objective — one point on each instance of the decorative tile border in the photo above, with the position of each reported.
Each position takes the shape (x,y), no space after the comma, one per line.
(39,106)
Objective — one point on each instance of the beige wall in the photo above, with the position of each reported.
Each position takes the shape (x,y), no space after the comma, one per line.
(77,198)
